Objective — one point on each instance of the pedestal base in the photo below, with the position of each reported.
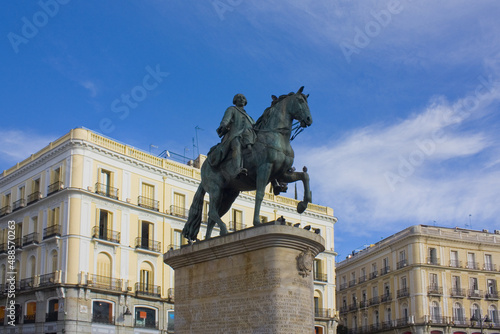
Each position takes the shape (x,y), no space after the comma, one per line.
(253,281)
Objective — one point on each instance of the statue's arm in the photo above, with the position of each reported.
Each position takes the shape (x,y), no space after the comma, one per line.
(226,120)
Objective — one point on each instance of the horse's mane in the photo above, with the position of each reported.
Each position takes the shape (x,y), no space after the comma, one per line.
(262,121)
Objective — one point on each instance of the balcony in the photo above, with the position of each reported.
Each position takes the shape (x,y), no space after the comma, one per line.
(145,289)
(491,295)
(455,263)
(54,187)
(435,290)
(402,322)
(362,279)
(475,294)
(31,239)
(3,248)
(386,297)
(104,283)
(437,320)
(148,244)
(373,274)
(342,286)
(27,284)
(402,264)
(29,319)
(473,265)
(236,226)
(52,231)
(385,270)
(352,282)
(322,313)
(353,307)
(319,277)
(457,293)
(34,197)
(106,190)
(19,204)
(103,319)
(5,210)
(105,234)
(51,316)
(343,309)
(47,280)
(145,323)
(171,295)
(18,242)
(363,304)
(148,203)
(374,301)
(404,292)
(433,261)
(179,211)
(490,267)
(386,325)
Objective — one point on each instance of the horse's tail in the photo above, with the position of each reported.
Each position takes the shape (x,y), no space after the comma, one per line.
(193,223)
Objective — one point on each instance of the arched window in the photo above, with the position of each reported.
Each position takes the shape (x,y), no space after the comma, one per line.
(145,317)
(318,303)
(31,268)
(435,312)
(458,314)
(52,310)
(493,314)
(103,265)
(475,312)
(30,309)
(146,278)
(102,312)
(376,318)
(404,312)
(388,314)
(52,264)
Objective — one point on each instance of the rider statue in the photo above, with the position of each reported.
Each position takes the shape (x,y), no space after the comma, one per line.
(237,128)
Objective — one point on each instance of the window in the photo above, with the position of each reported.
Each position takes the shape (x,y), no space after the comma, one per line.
(31,267)
(52,262)
(22,192)
(458,314)
(387,289)
(53,217)
(237,223)
(475,312)
(170,321)
(388,313)
(455,283)
(376,318)
(179,208)
(435,312)
(263,219)
(105,223)
(103,268)
(433,281)
(432,256)
(147,198)
(102,312)
(147,235)
(52,310)
(403,282)
(146,278)
(375,291)
(30,315)
(55,176)
(471,261)
(493,314)
(145,317)
(454,259)
(488,262)
(491,285)
(473,284)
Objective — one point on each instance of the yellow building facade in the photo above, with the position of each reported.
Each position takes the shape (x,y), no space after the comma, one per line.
(84,224)
(423,279)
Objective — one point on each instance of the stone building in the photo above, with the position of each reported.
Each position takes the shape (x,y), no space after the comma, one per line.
(84,223)
(423,279)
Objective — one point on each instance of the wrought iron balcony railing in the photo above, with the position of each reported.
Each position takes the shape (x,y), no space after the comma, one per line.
(404,292)
(148,203)
(475,294)
(386,297)
(236,226)
(491,295)
(373,274)
(457,293)
(51,231)
(472,265)
(3,248)
(105,234)
(490,267)
(435,290)
(456,263)
(362,279)
(179,211)
(103,318)
(146,289)
(54,187)
(342,286)
(106,190)
(374,300)
(104,283)
(19,204)
(5,210)
(47,279)
(31,239)
(385,270)
(33,197)
(321,313)
(320,277)
(433,260)
(402,264)
(27,283)
(146,323)
(148,244)
(352,282)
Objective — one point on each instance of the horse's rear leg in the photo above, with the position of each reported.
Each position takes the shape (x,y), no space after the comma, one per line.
(263,173)
(213,214)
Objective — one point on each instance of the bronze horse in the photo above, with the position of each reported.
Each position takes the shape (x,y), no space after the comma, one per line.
(270,158)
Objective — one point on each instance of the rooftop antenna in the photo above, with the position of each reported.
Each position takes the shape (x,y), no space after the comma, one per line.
(196,128)
(470,221)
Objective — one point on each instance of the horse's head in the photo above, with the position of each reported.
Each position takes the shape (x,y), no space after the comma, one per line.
(299,108)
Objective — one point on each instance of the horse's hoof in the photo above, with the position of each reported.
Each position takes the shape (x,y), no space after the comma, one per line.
(301,207)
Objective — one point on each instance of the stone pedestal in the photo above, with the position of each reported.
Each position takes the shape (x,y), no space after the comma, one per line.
(257,280)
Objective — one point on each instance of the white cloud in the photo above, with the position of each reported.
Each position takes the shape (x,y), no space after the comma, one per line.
(17,145)
(90,86)
(432,166)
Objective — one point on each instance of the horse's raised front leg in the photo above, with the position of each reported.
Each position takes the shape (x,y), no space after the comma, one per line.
(304,177)
(263,173)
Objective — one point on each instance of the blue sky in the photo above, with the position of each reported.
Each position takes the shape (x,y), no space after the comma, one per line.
(404,94)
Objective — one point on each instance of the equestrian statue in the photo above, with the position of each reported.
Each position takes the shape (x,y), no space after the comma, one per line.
(250,155)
